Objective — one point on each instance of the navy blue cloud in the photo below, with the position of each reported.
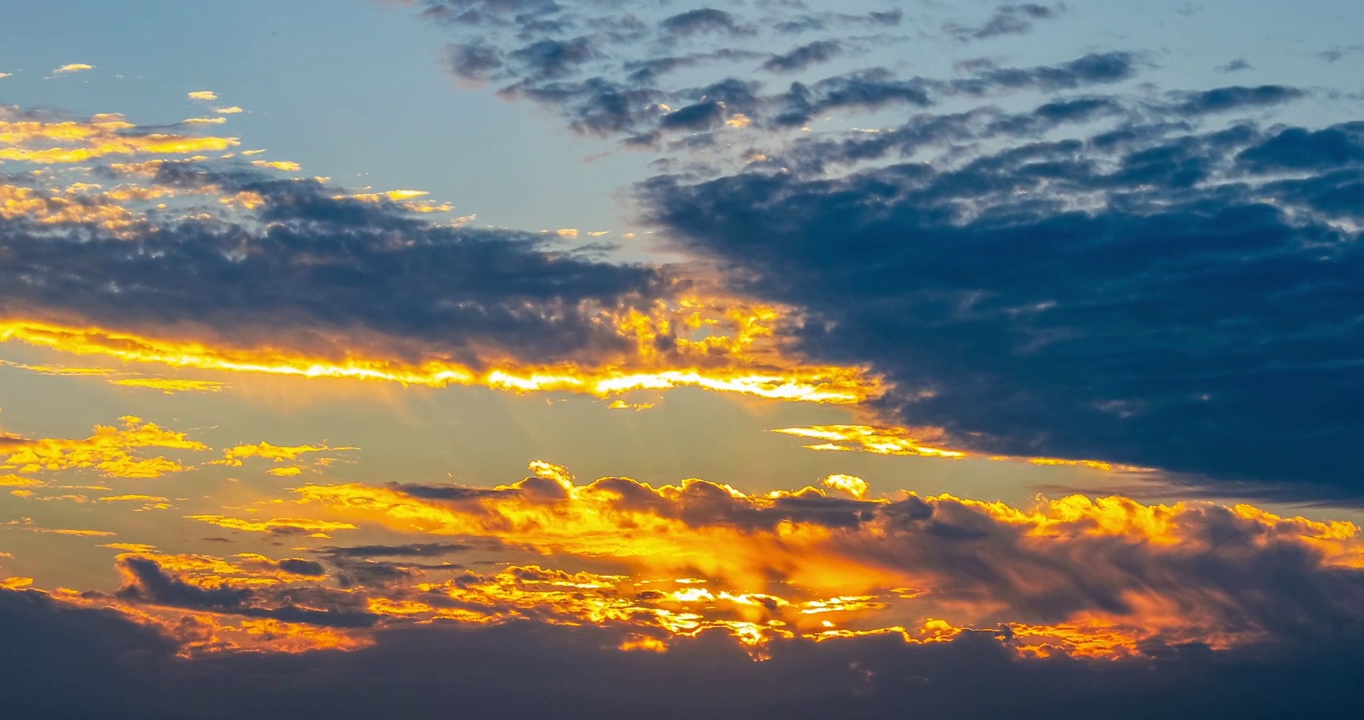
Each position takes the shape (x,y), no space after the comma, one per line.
(1159,298)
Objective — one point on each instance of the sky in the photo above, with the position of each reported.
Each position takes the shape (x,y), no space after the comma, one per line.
(763,359)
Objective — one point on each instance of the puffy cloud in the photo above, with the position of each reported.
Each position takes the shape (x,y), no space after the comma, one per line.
(661,569)
(1105,577)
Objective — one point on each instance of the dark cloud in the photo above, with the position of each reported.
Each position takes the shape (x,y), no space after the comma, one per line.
(648,72)
(474,62)
(804,56)
(704,20)
(1091,69)
(863,90)
(69,663)
(553,58)
(1236,65)
(149,583)
(606,72)
(444,492)
(1312,150)
(1006,20)
(815,22)
(301,567)
(1229,99)
(700,116)
(1136,296)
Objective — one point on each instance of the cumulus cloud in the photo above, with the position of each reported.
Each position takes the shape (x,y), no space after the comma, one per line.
(1076,590)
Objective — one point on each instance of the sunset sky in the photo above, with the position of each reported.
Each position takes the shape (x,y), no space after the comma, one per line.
(578,358)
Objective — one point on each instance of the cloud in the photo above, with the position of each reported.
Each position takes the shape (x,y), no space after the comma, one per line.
(170,386)
(1090,69)
(41,138)
(800,58)
(71,68)
(1006,20)
(704,20)
(495,307)
(234,456)
(111,451)
(1234,98)
(1148,295)
(702,565)
(474,62)
(1087,577)
(121,669)
(146,582)
(276,526)
(410,550)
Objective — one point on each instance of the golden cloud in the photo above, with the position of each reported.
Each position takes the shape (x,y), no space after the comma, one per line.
(109,450)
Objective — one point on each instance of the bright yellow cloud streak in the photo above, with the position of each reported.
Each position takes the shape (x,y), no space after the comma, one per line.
(807,384)
(170,386)
(880,441)
(915,442)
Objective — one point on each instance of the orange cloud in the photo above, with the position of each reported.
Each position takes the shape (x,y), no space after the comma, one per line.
(1097,578)
(1092,577)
